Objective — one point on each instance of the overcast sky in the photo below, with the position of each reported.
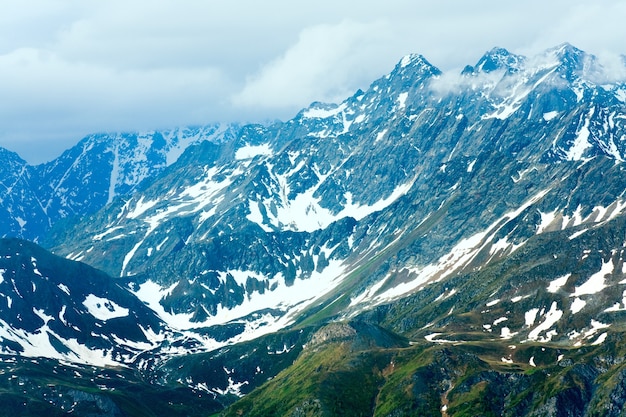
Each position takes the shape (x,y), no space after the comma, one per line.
(73,67)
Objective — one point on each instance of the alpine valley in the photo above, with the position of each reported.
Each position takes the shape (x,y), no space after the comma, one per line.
(441,244)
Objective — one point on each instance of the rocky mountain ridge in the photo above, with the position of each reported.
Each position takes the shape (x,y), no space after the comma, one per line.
(388,174)
(89,175)
(473,219)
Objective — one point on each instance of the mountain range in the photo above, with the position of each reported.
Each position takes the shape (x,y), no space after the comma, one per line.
(88,176)
(438,244)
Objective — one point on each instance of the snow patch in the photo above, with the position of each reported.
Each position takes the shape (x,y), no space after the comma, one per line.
(596,282)
(600,339)
(551,318)
(402,100)
(577,305)
(500,320)
(506,333)
(381,135)
(250,151)
(406,60)
(234,388)
(255,215)
(104,309)
(577,234)
(62,316)
(288,299)
(369,293)
(550,115)
(492,303)
(319,113)
(432,338)
(64,288)
(546,220)
(140,208)
(530,316)
(304,212)
(581,143)
(556,284)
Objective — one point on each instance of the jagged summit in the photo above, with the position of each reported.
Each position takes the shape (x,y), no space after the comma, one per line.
(568,61)
(574,64)
(567,53)
(416,65)
(322,177)
(416,62)
(498,59)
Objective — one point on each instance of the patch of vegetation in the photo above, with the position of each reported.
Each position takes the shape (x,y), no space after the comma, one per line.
(343,377)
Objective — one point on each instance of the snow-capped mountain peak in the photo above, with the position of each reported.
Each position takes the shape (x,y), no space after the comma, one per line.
(474,218)
(343,182)
(100,168)
(499,59)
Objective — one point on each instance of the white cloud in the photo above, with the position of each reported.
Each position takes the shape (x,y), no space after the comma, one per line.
(612,68)
(453,81)
(326,64)
(48,97)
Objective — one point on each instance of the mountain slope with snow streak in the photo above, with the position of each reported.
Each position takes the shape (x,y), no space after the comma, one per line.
(100,168)
(55,308)
(371,199)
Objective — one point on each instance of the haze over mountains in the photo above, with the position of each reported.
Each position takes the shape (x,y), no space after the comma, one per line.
(437,236)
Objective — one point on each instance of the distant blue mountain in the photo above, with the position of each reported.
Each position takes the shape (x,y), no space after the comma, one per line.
(88,176)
